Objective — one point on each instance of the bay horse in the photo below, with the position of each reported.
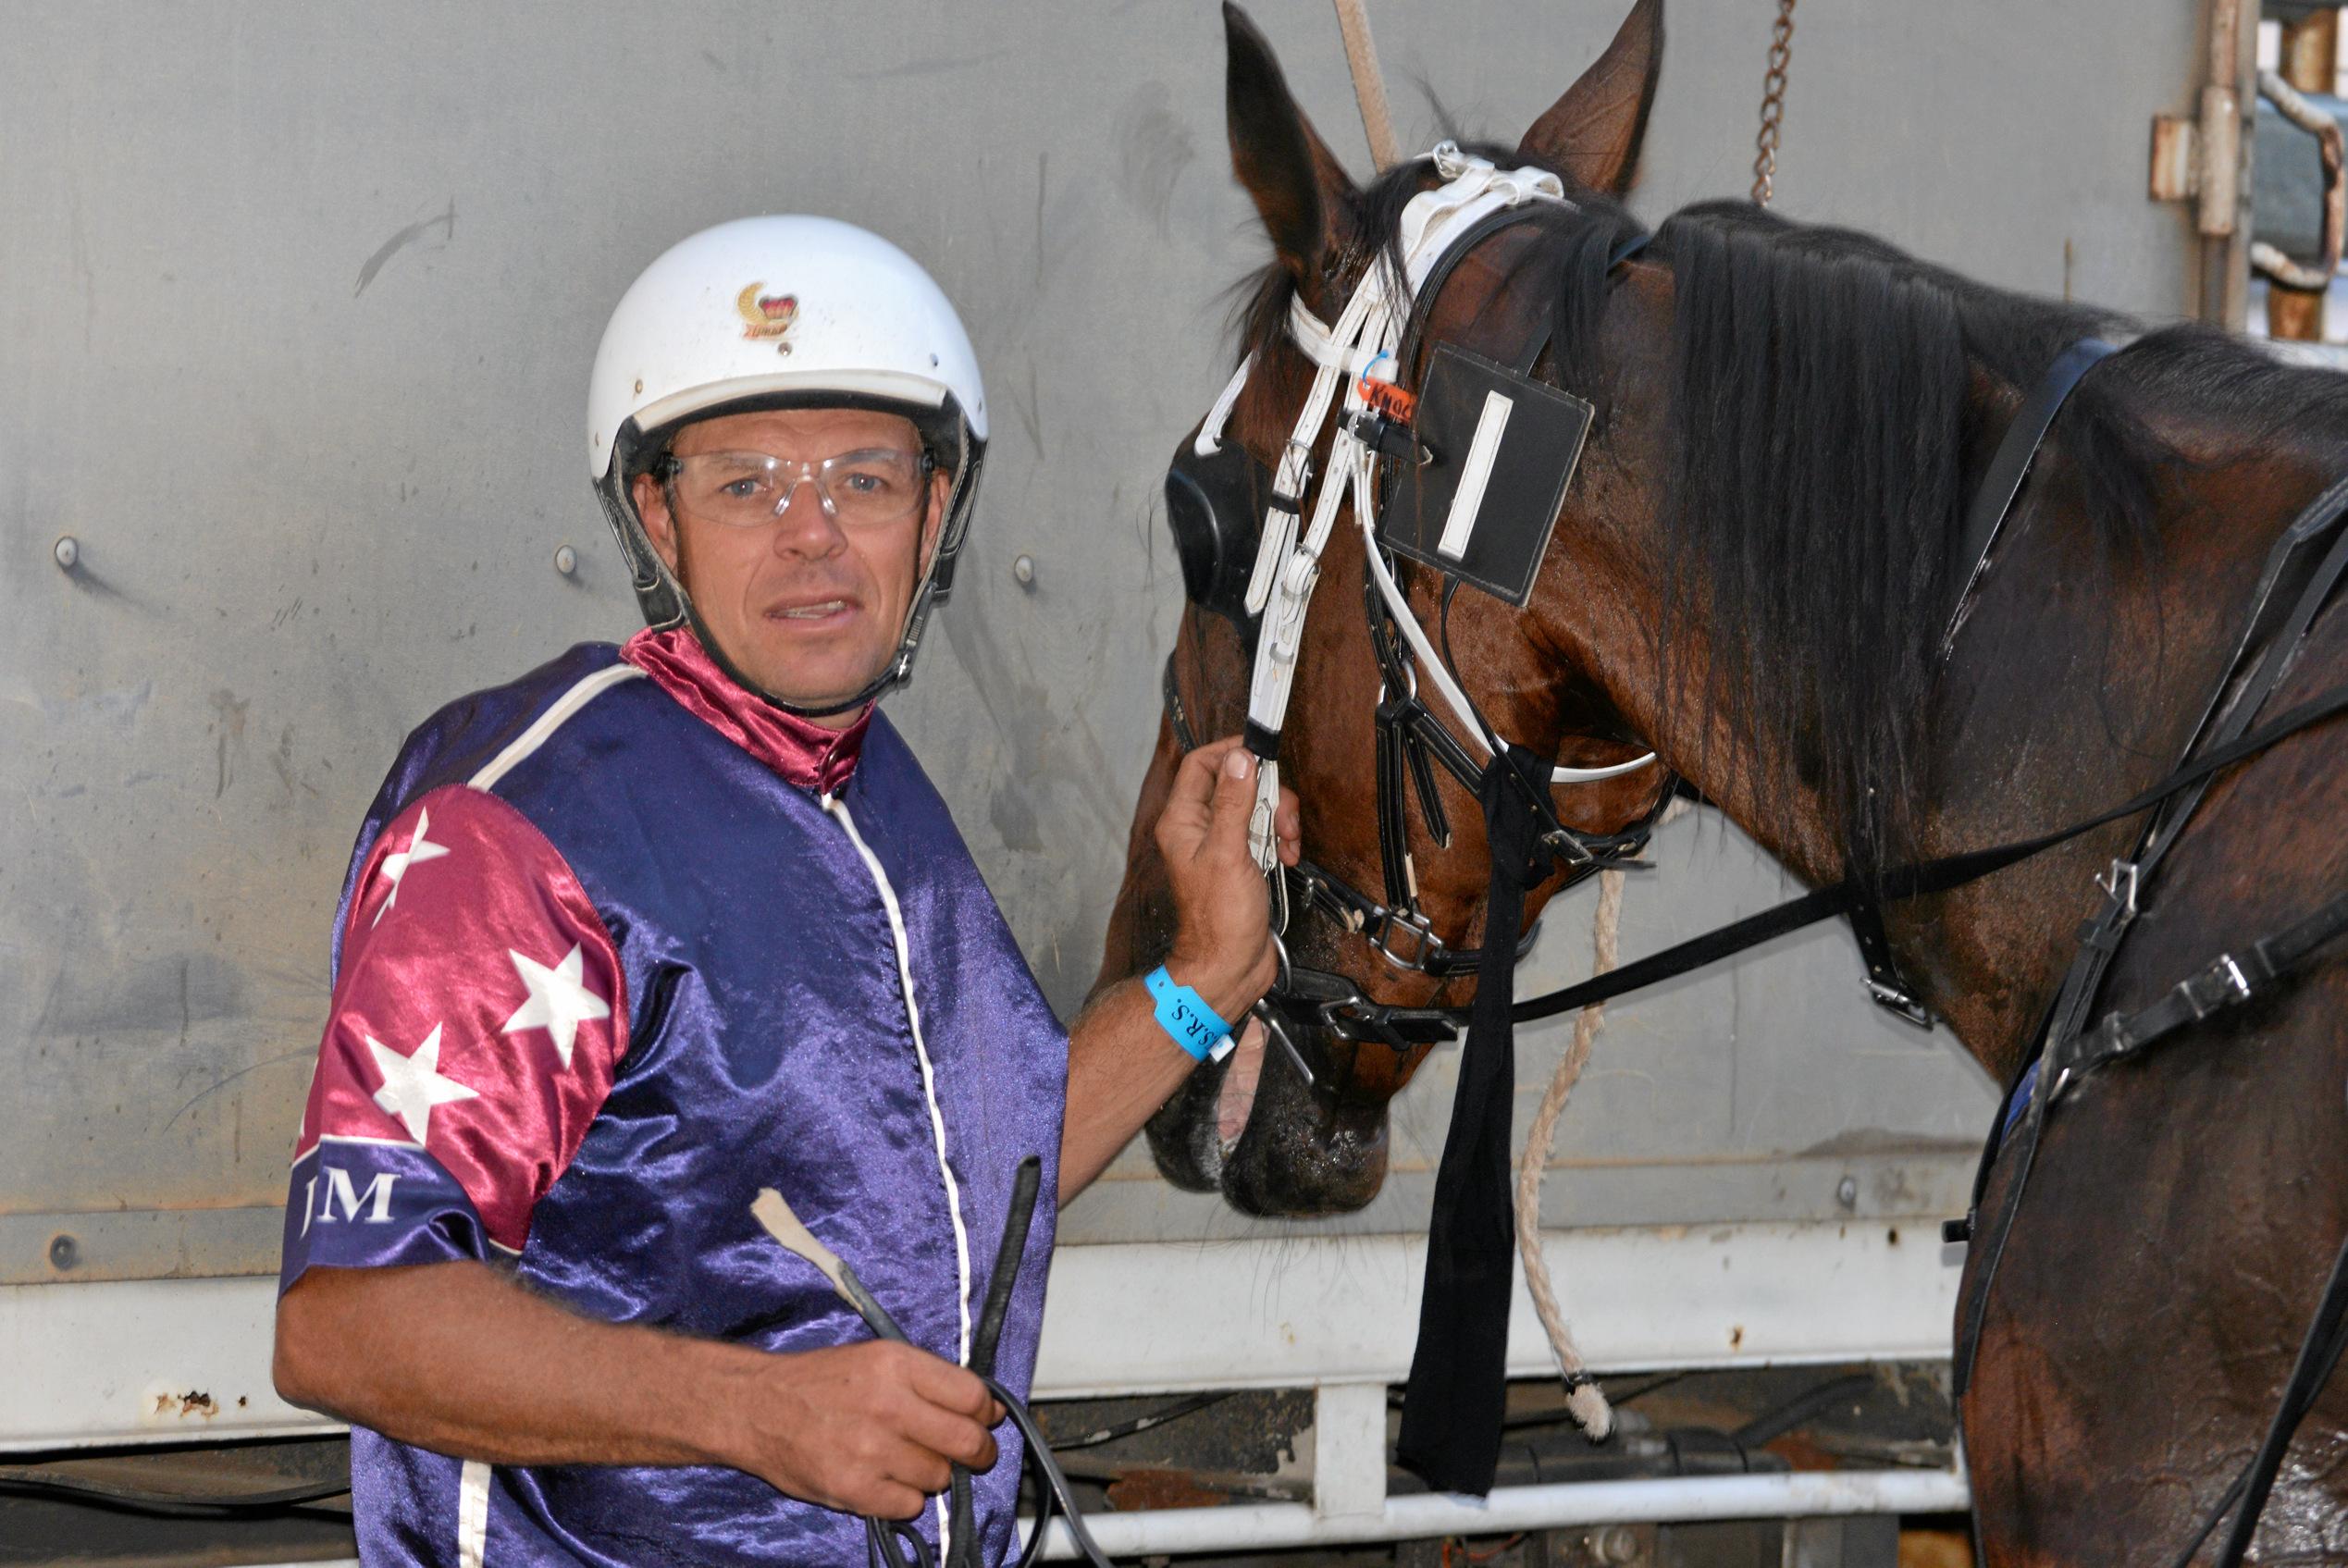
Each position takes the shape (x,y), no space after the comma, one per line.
(1302,1130)
(1753,574)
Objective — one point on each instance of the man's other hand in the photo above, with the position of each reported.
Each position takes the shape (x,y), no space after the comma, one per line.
(868,1428)
(1222,916)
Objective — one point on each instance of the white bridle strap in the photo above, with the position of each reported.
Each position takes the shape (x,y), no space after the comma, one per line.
(1210,430)
(1279,589)
(1448,688)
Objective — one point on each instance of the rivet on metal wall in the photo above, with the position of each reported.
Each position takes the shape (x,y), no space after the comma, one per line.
(66,552)
(63,1253)
(566,560)
(1024,569)
(1846,1192)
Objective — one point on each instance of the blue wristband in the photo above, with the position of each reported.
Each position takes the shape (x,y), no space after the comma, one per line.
(1187,1020)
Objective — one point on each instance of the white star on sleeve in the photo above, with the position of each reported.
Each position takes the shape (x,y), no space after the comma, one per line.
(412,1085)
(559,1000)
(397,864)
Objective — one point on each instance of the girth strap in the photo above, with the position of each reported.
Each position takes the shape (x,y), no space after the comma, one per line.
(2227,981)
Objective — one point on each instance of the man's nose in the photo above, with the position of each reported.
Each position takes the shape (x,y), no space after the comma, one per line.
(805,527)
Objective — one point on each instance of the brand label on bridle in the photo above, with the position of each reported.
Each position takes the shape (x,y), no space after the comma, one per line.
(1499,451)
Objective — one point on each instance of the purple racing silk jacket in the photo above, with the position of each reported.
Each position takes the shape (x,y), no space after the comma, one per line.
(620,945)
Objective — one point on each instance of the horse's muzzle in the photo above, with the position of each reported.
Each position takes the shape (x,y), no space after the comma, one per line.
(1304,1152)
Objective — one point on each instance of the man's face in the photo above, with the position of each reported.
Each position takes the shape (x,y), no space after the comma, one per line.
(807,605)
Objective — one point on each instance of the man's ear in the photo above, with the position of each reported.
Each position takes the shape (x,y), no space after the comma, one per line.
(1594,132)
(652,505)
(1298,187)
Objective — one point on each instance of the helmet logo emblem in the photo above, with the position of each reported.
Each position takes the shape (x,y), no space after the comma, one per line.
(766,317)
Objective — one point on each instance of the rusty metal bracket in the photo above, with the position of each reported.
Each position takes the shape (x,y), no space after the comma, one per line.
(2269,259)
(2199,157)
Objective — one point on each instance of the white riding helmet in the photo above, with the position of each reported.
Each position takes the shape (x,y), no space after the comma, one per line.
(775,313)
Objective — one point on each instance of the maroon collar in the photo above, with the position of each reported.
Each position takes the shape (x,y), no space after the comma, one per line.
(805,753)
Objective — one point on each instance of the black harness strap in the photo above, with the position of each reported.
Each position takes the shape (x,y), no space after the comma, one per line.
(2229,981)
(2001,486)
(2225,717)
(2319,1351)
(1910,881)
(1178,718)
(2100,936)
(1985,520)
(1885,983)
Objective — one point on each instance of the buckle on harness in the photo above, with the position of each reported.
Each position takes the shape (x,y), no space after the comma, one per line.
(1303,453)
(1566,844)
(2220,985)
(1424,943)
(1896,1000)
(2120,886)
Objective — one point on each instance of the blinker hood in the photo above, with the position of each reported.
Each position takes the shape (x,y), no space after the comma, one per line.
(1215,510)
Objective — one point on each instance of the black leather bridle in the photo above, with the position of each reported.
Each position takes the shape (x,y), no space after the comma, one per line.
(1398,930)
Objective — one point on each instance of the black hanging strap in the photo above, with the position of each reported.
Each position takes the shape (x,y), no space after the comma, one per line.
(1458,1387)
(1885,983)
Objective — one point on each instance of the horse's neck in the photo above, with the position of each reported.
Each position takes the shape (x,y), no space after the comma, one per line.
(2077,681)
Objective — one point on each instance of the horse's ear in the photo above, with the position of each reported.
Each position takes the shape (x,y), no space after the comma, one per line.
(1593,132)
(1297,184)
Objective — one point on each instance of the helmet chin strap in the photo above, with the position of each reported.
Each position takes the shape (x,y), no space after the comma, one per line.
(891,673)
(710,645)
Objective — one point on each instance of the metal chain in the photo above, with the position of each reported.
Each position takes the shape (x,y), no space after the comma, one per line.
(1773,110)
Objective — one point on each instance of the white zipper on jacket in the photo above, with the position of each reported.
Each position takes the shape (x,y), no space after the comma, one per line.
(838,809)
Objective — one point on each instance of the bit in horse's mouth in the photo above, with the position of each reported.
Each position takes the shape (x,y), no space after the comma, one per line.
(1236,1098)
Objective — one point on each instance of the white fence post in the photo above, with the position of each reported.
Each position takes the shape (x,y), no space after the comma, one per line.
(1348,1450)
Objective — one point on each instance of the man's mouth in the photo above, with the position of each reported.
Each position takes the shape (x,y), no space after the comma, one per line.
(813,610)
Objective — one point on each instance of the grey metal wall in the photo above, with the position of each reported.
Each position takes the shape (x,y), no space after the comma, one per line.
(296,305)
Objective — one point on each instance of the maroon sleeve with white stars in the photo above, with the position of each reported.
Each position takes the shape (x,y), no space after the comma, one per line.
(479,1018)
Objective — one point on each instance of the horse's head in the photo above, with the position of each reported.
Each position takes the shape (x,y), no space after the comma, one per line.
(1295,1121)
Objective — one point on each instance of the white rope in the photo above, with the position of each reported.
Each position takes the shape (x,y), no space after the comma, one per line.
(1586,1403)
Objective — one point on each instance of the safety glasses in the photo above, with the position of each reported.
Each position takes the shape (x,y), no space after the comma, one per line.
(748,489)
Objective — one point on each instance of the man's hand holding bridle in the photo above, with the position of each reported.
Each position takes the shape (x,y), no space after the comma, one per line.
(1223,947)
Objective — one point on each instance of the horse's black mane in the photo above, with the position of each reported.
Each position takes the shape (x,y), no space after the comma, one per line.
(1823,442)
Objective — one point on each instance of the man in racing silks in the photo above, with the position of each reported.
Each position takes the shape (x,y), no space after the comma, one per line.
(657,926)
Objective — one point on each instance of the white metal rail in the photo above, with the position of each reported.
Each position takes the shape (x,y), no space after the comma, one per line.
(171,1360)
